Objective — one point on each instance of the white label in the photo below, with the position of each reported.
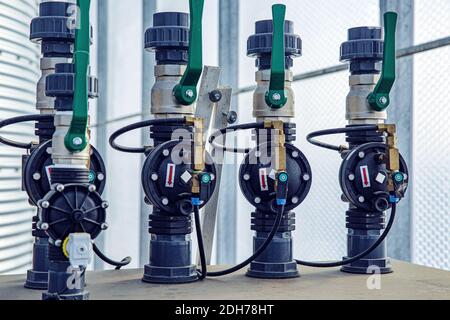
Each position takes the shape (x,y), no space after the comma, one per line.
(186,177)
(48,170)
(381,178)
(273,174)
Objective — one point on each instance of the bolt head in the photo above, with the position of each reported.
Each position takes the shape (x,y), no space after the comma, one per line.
(361,199)
(77,141)
(383,100)
(276,96)
(101,177)
(306,177)
(92,188)
(155,177)
(215,96)
(58,243)
(49,150)
(44,226)
(37,176)
(104,226)
(165,201)
(45,204)
(105,205)
(257,200)
(189,93)
(295,154)
(246,177)
(399,177)
(92,176)
(283,177)
(361,155)
(351,177)
(60,188)
(206,178)
(295,200)
(166,153)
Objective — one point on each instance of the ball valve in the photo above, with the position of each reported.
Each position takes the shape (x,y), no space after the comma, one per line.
(275,177)
(51,31)
(55,93)
(178,176)
(373,175)
(72,213)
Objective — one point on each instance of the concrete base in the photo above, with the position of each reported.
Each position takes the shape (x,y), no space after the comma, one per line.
(410,282)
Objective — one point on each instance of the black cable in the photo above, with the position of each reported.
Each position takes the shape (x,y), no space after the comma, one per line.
(201,246)
(329,132)
(359,256)
(258,252)
(139,125)
(224,131)
(126,261)
(17,120)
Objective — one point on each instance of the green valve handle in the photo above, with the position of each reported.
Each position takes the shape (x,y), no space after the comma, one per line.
(186,91)
(276,96)
(76,139)
(379,99)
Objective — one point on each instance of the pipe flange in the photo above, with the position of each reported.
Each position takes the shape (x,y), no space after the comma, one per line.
(363,177)
(167,181)
(36,172)
(72,208)
(257,179)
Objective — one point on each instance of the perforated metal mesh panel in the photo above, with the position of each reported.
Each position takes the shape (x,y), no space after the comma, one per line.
(19,73)
(320,104)
(431,194)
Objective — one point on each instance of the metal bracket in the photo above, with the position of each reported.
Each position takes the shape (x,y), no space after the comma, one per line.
(215,118)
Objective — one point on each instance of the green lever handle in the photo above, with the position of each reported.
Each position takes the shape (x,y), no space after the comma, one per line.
(186,91)
(379,99)
(276,96)
(76,138)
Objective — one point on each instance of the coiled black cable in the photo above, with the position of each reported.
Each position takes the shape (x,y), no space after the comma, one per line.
(329,132)
(21,119)
(126,261)
(139,125)
(201,246)
(222,132)
(258,252)
(359,256)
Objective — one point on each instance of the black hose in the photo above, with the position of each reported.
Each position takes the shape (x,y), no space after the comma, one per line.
(17,120)
(139,125)
(258,252)
(329,132)
(126,261)
(359,256)
(222,132)
(201,246)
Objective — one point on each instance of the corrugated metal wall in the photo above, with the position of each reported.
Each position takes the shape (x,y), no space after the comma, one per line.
(19,72)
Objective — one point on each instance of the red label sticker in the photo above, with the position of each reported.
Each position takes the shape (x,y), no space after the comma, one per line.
(170,177)
(48,170)
(365,177)
(263,182)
